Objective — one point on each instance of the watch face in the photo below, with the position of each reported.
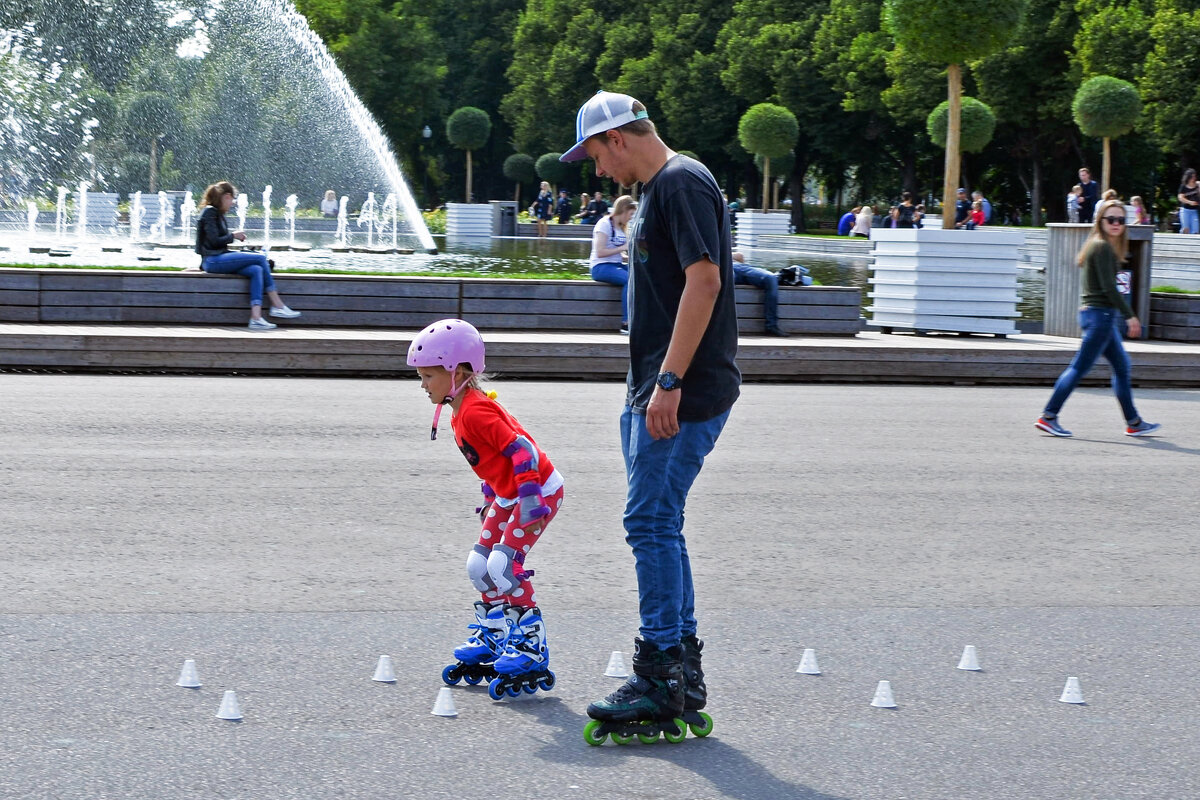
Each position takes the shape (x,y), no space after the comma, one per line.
(668,380)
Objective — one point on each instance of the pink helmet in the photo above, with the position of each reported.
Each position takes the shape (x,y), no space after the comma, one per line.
(447,342)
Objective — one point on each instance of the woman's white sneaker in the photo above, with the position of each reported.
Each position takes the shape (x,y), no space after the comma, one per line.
(284,312)
(261,324)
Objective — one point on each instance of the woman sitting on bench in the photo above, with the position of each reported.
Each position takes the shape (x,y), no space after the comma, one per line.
(610,246)
(212,243)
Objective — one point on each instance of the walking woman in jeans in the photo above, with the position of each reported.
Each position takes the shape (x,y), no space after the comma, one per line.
(610,244)
(212,243)
(1104,315)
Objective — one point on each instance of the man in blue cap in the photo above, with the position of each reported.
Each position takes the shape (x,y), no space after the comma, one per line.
(683,381)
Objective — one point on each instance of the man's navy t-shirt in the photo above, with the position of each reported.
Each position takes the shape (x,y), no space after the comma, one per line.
(681,219)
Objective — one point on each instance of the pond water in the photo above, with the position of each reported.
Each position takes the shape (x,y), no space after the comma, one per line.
(489,256)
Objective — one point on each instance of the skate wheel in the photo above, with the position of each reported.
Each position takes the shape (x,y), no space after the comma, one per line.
(496,689)
(472,679)
(530,688)
(513,691)
(650,737)
(450,675)
(704,727)
(547,682)
(591,733)
(679,734)
(621,738)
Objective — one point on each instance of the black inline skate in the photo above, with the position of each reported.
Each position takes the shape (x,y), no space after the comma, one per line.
(524,666)
(695,696)
(477,656)
(649,704)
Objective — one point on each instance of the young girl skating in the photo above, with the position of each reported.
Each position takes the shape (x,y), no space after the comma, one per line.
(522,492)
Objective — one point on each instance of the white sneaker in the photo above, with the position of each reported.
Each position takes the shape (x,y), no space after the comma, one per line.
(261,324)
(284,312)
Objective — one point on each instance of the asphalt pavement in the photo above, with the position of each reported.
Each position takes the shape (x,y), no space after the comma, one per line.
(286,532)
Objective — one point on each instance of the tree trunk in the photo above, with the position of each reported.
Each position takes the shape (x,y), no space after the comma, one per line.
(517,196)
(953,133)
(154,164)
(1107,161)
(766,183)
(468,177)
(774,194)
(1035,198)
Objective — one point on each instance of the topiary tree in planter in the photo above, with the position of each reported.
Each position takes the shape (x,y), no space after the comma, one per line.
(782,167)
(520,168)
(952,32)
(975,130)
(468,129)
(1106,107)
(769,131)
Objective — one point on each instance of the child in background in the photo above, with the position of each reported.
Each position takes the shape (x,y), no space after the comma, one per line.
(1140,215)
(522,492)
(977,215)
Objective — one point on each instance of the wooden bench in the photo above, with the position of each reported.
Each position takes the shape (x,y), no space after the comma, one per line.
(197,298)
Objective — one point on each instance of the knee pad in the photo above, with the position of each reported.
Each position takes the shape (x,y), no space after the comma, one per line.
(477,569)
(500,568)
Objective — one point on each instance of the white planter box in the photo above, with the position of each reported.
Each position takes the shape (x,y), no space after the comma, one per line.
(752,225)
(929,279)
(468,220)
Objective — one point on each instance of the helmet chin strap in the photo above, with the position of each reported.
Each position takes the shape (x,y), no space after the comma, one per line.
(455,391)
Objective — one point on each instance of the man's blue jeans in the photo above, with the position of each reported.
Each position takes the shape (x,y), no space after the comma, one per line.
(253,265)
(660,474)
(769,283)
(1189,220)
(1102,331)
(617,275)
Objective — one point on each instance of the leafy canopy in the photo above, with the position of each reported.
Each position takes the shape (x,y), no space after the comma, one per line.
(520,168)
(469,128)
(951,31)
(1106,107)
(977,125)
(768,130)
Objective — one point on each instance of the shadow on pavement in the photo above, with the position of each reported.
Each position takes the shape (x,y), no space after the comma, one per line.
(730,771)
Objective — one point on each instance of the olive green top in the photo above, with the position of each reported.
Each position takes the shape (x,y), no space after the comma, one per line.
(1099,284)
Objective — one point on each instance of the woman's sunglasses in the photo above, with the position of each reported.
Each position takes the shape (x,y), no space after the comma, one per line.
(1114,220)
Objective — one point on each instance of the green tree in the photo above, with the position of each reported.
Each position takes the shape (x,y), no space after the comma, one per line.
(549,168)
(468,129)
(952,33)
(769,131)
(975,131)
(149,117)
(1106,107)
(1172,73)
(520,168)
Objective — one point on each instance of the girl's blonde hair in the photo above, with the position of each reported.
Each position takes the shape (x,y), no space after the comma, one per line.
(1119,243)
(214,193)
(620,206)
(329,195)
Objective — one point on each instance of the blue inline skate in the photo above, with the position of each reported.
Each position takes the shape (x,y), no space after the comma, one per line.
(477,656)
(653,702)
(525,664)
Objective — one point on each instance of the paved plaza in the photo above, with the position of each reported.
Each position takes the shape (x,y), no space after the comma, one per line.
(286,532)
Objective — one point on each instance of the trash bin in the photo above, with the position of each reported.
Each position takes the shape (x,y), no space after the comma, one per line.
(1061,310)
(504,218)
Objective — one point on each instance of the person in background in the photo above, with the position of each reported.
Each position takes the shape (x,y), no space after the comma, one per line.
(1140,215)
(542,209)
(1074,199)
(746,275)
(610,248)
(978,218)
(962,209)
(847,221)
(987,206)
(1090,195)
(1189,203)
(918,215)
(329,206)
(862,222)
(1104,316)
(212,244)
(563,209)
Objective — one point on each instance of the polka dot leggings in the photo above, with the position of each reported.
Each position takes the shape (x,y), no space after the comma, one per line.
(500,527)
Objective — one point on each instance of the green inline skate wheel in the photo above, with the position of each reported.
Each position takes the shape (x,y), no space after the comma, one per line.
(703,728)
(679,734)
(590,734)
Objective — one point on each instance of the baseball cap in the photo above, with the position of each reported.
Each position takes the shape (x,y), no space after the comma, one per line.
(603,112)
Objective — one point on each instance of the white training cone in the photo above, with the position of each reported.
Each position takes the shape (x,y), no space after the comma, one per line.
(808,663)
(229,706)
(444,705)
(189,678)
(1072,692)
(883,696)
(969,659)
(384,672)
(616,666)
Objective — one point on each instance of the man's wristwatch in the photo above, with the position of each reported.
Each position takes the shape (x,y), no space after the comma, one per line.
(668,381)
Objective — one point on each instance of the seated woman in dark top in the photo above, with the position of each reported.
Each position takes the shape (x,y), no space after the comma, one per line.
(212,243)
